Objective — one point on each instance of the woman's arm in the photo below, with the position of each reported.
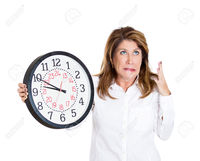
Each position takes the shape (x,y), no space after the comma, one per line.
(164,120)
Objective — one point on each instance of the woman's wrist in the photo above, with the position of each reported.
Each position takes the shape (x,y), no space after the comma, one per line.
(167,93)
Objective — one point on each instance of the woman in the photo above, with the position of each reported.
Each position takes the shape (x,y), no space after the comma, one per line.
(131,103)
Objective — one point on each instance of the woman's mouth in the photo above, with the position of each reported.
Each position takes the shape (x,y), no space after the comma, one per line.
(130,69)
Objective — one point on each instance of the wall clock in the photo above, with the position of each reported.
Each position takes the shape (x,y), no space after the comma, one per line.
(60,90)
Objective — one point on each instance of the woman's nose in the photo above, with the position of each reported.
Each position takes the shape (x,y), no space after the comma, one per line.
(130,59)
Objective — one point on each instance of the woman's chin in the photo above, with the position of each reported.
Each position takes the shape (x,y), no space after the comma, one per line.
(128,78)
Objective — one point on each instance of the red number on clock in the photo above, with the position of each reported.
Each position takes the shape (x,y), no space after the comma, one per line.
(48,99)
(54,104)
(46,81)
(44,91)
(74,89)
(72,97)
(61,107)
(70,80)
(67,103)
(57,73)
(51,76)
(65,75)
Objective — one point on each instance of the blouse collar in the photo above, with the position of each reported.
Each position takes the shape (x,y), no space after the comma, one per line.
(114,84)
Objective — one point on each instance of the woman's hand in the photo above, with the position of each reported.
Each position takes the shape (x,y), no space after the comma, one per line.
(161,82)
(23,91)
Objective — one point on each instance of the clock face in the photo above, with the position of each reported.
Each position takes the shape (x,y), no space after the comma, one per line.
(60,90)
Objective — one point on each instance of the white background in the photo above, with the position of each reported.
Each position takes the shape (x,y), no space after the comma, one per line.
(31,28)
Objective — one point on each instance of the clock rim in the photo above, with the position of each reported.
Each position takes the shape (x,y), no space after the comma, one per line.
(30,103)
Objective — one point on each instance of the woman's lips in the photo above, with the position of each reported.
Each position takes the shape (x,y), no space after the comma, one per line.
(129,69)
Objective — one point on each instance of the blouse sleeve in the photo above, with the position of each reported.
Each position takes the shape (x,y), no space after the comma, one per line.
(165,108)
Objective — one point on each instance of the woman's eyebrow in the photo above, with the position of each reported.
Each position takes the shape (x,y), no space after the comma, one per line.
(128,50)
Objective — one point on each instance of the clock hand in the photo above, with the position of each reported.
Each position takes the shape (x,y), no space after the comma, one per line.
(64,91)
(61,88)
(49,84)
(59,92)
(56,88)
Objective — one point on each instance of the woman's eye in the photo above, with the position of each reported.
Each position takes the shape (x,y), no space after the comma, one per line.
(136,52)
(122,52)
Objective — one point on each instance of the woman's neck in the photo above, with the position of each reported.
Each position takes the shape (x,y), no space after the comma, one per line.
(125,84)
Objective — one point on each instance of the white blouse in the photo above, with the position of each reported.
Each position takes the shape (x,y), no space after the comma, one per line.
(123,129)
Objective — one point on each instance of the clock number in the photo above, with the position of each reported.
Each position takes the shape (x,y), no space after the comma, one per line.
(56,62)
(48,81)
(83,87)
(48,99)
(37,77)
(35,91)
(71,80)
(44,91)
(40,107)
(73,113)
(56,73)
(54,104)
(81,101)
(61,107)
(44,66)
(78,74)
(67,65)
(64,75)
(67,103)
(51,76)
(74,89)
(50,112)
(62,117)
(72,97)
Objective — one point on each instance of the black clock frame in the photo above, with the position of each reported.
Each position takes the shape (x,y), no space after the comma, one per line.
(30,103)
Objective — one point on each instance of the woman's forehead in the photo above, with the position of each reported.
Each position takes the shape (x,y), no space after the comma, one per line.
(128,45)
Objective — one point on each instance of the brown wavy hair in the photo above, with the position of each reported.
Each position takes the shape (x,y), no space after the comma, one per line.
(107,73)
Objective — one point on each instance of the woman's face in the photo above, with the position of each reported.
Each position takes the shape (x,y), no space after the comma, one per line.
(127,60)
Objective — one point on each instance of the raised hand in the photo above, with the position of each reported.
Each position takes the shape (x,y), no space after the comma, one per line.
(161,82)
